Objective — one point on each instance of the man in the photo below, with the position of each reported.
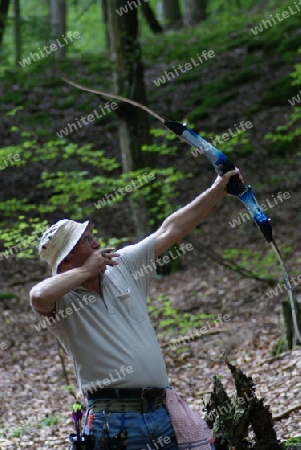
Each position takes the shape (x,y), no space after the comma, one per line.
(97,309)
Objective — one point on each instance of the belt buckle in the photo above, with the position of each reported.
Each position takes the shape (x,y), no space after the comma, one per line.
(144,391)
(144,400)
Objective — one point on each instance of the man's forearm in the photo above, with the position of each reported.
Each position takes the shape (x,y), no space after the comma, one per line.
(45,294)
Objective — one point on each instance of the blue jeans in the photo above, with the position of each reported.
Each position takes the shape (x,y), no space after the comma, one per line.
(146,431)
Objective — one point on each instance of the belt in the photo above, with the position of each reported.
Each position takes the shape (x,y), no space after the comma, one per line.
(145,393)
(126,405)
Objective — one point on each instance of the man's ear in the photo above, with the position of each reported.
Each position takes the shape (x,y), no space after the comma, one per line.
(65,265)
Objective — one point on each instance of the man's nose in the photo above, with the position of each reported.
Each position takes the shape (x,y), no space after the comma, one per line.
(96,244)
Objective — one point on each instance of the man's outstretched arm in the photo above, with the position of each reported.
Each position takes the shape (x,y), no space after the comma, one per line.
(181,222)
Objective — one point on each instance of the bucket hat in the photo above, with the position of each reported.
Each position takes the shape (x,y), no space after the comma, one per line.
(58,241)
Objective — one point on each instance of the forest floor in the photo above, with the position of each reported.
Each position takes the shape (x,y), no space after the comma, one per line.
(35,407)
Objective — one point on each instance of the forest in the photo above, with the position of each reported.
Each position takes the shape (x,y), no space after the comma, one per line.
(122,112)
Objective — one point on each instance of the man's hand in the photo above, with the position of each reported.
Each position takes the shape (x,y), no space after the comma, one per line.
(221,182)
(45,294)
(98,261)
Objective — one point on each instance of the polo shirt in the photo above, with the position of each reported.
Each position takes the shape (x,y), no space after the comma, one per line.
(110,339)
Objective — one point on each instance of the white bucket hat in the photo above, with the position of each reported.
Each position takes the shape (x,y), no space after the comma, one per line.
(58,241)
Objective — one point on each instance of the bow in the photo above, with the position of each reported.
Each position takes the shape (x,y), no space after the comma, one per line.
(221,164)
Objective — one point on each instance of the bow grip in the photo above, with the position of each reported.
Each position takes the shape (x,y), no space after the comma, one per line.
(235,186)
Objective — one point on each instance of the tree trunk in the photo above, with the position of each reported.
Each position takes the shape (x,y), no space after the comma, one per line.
(133,127)
(17,31)
(104,6)
(287,339)
(151,18)
(195,12)
(171,13)
(4,5)
(58,24)
(231,418)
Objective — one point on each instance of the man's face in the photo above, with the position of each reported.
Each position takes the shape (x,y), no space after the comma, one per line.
(83,249)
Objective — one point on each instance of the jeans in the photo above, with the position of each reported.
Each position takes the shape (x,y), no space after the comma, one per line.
(146,431)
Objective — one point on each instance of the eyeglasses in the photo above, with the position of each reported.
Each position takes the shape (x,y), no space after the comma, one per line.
(89,239)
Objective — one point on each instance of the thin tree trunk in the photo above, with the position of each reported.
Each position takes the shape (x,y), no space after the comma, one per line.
(287,339)
(195,12)
(17,31)
(104,6)
(151,18)
(133,127)
(58,24)
(171,13)
(4,5)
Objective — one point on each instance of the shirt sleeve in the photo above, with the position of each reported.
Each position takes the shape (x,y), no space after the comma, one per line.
(52,323)
(140,260)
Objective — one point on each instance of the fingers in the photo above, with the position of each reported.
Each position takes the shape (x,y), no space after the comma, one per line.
(108,254)
(230,174)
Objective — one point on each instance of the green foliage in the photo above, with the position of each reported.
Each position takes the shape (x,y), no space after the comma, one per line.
(278,92)
(296,75)
(296,440)
(165,185)
(286,139)
(264,266)
(87,172)
(75,176)
(170,321)
(7,295)
(23,237)
(49,421)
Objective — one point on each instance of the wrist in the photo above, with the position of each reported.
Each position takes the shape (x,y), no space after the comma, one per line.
(218,191)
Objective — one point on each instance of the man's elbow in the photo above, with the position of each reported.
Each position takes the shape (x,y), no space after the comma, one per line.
(35,296)
(164,239)
(39,302)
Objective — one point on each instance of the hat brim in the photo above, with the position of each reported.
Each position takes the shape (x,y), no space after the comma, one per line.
(73,238)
